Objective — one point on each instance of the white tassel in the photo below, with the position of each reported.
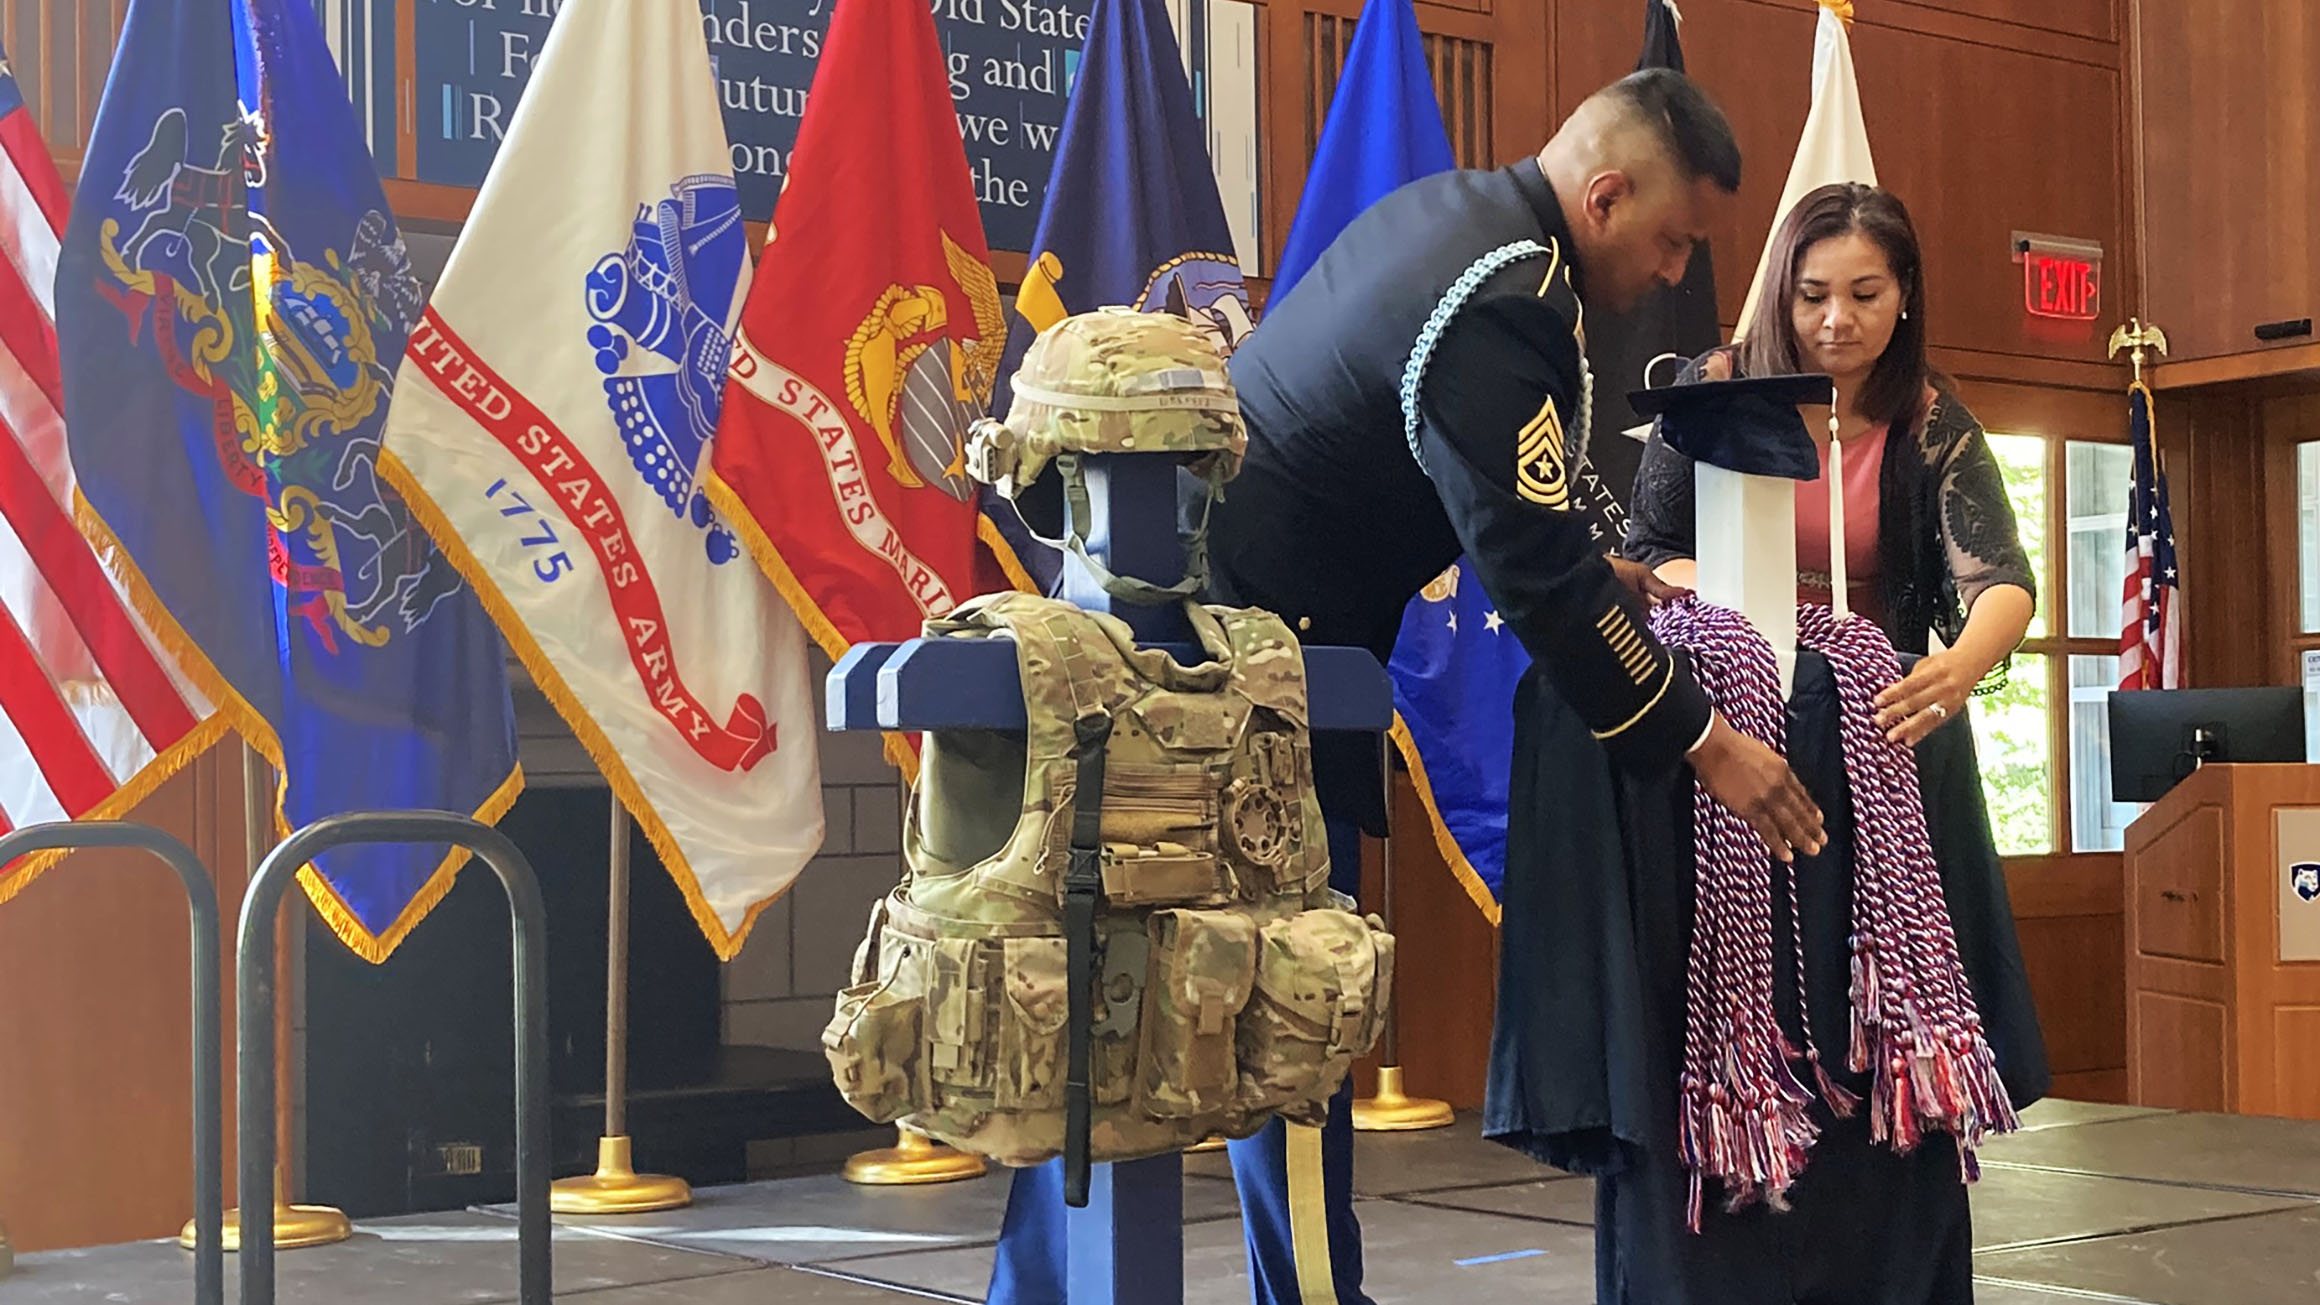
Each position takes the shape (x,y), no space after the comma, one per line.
(1840,594)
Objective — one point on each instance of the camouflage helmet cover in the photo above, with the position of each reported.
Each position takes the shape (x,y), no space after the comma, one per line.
(1114,381)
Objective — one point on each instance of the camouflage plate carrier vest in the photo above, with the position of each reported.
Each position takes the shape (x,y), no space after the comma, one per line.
(1224,981)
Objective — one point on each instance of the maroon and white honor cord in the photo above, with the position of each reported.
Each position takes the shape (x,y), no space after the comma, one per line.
(1745,1108)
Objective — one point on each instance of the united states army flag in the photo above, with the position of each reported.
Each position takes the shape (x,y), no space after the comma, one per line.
(551,421)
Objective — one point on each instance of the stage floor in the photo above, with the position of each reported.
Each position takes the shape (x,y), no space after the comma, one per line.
(2100,1203)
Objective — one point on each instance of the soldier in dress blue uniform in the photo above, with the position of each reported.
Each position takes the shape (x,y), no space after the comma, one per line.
(1423,394)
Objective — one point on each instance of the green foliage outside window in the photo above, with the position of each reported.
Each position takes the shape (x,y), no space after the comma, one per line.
(2011,733)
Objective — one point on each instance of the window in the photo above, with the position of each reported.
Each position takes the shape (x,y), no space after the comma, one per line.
(2308,589)
(2047,731)
(2308,535)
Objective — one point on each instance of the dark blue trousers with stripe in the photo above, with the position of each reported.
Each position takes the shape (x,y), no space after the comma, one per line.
(1296,1190)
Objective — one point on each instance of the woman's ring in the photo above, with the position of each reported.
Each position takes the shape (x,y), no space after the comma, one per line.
(1939,712)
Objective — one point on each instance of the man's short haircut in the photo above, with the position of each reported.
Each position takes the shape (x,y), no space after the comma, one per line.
(1684,120)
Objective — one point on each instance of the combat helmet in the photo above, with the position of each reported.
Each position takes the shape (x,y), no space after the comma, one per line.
(1116,380)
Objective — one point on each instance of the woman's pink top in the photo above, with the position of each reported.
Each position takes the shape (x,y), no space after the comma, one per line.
(1864,461)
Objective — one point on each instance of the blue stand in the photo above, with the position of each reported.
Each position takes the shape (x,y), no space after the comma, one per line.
(1127,1245)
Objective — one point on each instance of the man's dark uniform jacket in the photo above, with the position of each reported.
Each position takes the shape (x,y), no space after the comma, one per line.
(1334,524)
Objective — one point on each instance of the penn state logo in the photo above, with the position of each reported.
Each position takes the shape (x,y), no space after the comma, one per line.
(285,352)
(660,307)
(1207,290)
(2304,877)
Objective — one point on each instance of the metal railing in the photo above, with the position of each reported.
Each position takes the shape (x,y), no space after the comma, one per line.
(256,978)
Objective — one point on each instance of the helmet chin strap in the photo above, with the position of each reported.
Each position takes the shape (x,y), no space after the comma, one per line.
(1079,507)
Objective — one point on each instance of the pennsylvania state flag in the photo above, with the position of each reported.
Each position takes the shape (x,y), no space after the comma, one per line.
(1132,216)
(232,301)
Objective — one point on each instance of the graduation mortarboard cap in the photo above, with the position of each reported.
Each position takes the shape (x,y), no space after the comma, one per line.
(1749,426)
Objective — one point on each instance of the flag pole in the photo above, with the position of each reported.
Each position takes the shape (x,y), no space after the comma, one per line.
(295,1226)
(616,1187)
(914,1158)
(1392,1110)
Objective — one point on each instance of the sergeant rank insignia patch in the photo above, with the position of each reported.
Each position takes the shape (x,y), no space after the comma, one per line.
(1540,474)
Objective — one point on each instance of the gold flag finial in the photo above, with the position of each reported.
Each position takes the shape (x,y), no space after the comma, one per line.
(2140,339)
(1843,9)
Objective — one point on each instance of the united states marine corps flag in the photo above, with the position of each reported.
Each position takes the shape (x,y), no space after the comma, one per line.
(232,299)
(550,424)
(870,340)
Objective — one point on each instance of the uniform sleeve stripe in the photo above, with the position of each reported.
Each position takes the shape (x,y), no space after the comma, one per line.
(1645,710)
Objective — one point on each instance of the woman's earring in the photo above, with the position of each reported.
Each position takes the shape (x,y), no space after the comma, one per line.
(1904,314)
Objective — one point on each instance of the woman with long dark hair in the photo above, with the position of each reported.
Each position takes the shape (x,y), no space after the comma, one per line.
(1931,545)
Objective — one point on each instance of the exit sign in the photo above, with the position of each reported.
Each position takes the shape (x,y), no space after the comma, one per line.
(2061,278)
(2055,285)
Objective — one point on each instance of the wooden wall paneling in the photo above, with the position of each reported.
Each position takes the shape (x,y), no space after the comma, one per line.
(96,1131)
(1446,965)
(1482,54)
(2084,30)
(2093,1085)
(2212,451)
(2069,915)
(2094,20)
(2079,989)
(1997,141)
(2196,1073)
(1982,128)
(2020,409)
(2229,124)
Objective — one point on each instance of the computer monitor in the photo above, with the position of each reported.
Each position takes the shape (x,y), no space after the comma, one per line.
(2159,736)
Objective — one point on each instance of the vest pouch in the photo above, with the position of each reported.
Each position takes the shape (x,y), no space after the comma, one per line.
(1031,1024)
(1203,966)
(1154,875)
(1323,982)
(1159,835)
(874,1040)
(959,991)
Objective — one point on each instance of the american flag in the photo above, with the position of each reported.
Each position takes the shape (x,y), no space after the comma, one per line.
(93,715)
(2151,622)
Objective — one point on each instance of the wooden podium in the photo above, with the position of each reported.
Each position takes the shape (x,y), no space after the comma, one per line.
(2223,944)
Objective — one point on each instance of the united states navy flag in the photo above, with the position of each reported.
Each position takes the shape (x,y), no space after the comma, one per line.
(232,301)
(1132,214)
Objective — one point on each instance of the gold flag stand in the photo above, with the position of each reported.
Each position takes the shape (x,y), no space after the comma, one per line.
(1392,1110)
(616,1187)
(295,1226)
(915,1158)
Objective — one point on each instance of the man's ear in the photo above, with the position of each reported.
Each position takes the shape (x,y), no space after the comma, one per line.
(1606,191)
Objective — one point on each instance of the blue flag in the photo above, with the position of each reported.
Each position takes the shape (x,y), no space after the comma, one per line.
(1384,130)
(1132,214)
(1454,665)
(233,300)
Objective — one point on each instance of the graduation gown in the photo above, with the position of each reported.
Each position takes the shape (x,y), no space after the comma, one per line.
(1588,1041)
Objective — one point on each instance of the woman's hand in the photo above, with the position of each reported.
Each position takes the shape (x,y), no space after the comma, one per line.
(1934,692)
